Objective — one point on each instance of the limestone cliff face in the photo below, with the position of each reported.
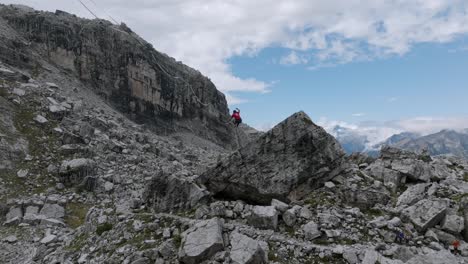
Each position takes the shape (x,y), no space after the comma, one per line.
(146,85)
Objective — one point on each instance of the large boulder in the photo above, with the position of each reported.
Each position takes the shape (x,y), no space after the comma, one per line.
(413,194)
(202,241)
(74,171)
(245,250)
(264,217)
(294,155)
(167,192)
(426,213)
(311,231)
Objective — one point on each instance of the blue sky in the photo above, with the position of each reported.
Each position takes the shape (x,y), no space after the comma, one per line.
(430,80)
(376,67)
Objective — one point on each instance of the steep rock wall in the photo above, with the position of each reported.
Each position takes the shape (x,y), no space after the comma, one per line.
(129,73)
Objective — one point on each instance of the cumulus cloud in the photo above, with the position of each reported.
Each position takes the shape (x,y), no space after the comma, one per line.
(206,34)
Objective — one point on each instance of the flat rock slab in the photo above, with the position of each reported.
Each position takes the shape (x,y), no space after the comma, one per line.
(425,213)
(202,241)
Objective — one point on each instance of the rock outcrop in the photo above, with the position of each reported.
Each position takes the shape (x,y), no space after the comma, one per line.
(148,86)
(295,154)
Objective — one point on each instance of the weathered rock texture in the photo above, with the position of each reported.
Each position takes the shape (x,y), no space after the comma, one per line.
(168,192)
(146,85)
(295,153)
(202,241)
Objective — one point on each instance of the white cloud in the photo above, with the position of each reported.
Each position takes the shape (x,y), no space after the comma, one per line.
(293,58)
(358,114)
(264,126)
(377,132)
(428,125)
(206,34)
(392,99)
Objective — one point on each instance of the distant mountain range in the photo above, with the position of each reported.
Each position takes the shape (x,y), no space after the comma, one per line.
(445,142)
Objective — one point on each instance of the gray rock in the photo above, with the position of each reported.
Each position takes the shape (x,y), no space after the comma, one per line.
(52,211)
(425,213)
(453,224)
(72,172)
(305,213)
(48,239)
(265,217)
(51,85)
(413,194)
(394,222)
(10,239)
(22,173)
(40,119)
(443,237)
(31,215)
(245,250)
(280,206)
(330,185)
(19,92)
(290,216)
(217,209)
(370,257)
(201,241)
(311,231)
(108,186)
(170,192)
(350,256)
(403,253)
(435,257)
(14,216)
(295,151)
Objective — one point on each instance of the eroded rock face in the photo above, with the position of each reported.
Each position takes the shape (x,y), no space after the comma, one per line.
(146,85)
(294,154)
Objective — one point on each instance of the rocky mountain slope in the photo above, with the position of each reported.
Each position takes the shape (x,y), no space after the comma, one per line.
(147,86)
(83,181)
(445,142)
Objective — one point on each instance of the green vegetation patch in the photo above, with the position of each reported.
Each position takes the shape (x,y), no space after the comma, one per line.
(321,198)
(465,176)
(77,243)
(425,158)
(177,240)
(103,228)
(459,197)
(76,214)
(3,92)
(374,212)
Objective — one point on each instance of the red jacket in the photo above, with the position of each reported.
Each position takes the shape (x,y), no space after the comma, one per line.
(236,115)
